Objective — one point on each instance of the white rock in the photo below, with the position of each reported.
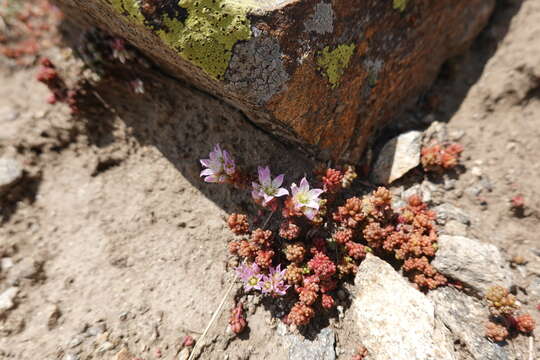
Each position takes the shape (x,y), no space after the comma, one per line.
(397,157)
(476,264)
(10,173)
(7,299)
(396,321)
(184,354)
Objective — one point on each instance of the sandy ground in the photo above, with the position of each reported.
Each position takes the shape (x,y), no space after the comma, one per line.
(115,238)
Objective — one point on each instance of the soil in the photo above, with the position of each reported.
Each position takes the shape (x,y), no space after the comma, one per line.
(116,241)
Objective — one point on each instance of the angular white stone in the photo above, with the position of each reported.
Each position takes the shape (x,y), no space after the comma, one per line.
(397,157)
(396,321)
(7,299)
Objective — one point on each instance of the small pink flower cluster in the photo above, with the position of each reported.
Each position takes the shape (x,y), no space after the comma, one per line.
(221,168)
(272,283)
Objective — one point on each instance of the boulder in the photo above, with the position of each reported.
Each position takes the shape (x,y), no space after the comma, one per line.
(324,75)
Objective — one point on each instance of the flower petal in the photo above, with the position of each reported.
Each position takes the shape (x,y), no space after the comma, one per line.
(267,198)
(314,193)
(211,179)
(281,192)
(207,172)
(205,162)
(294,189)
(278,181)
(309,213)
(304,185)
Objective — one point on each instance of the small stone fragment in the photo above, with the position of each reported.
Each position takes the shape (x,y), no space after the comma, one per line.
(184,354)
(7,299)
(397,157)
(10,172)
(447,212)
(53,317)
(476,264)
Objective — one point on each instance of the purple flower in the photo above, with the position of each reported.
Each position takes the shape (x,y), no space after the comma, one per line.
(274,282)
(250,276)
(305,200)
(220,166)
(268,189)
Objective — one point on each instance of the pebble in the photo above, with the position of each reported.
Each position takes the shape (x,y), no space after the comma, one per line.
(397,157)
(10,172)
(53,317)
(76,341)
(184,354)
(7,299)
(6,263)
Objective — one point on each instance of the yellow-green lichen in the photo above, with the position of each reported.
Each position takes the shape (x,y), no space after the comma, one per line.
(334,62)
(208,34)
(400,5)
(130,8)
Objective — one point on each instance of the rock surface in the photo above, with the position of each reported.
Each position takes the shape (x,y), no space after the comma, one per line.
(123,354)
(323,75)
(395,320)
(447,212)
(397,157)
(320,348)
(10,173)
(466,318)
(474,263)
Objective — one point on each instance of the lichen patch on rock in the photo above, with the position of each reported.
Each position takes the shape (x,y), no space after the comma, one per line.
(334,62)
(208,34)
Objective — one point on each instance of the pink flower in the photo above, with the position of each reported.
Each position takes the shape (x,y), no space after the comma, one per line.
(119,50)
(137,86)
(305,200)
(274,283)
(220,166)
(267,189)
(250,276)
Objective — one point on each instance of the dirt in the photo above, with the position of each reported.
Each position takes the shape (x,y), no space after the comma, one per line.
(115,240)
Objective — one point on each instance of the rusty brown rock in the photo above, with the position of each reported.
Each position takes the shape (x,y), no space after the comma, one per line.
(322,75)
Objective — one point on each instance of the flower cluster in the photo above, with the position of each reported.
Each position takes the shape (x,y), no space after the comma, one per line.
(270,283)
(220,167)
(438,158)
(322,236)
(503,306)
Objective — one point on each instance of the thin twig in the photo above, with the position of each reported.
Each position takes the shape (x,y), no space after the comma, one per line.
(531,347)
(200,341)
(268,219)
